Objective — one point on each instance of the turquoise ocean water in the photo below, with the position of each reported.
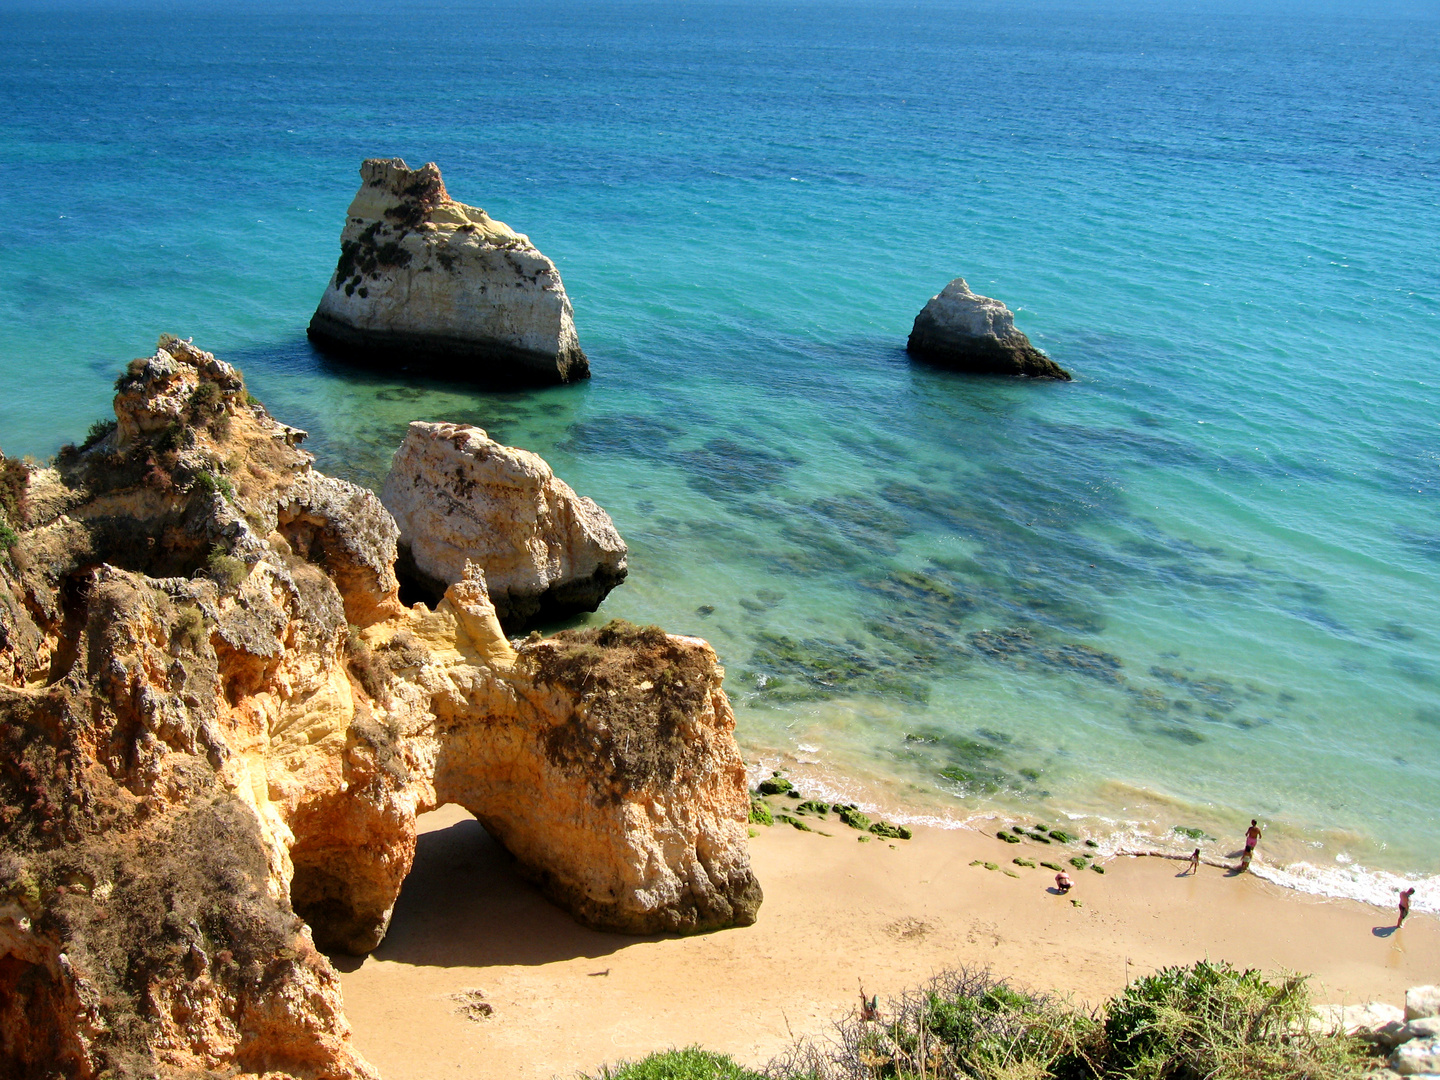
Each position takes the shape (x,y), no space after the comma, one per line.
(1201,583)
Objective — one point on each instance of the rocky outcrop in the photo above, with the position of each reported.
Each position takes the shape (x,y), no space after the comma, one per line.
(458,496)
(217,725)
(424,281)
(1411,1036)
(628,735)
(958,329)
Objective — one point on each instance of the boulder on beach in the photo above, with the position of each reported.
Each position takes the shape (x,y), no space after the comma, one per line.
(459,496)
(961,330)
(426,282)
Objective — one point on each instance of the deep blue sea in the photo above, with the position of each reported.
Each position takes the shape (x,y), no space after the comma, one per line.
(1200,583)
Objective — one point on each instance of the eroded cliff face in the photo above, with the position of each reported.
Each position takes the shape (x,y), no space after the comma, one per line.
(217,724)
(425,280)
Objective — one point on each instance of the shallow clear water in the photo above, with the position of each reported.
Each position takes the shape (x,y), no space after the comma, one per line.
(1197,585)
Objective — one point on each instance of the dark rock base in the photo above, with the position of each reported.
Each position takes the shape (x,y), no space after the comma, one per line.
(984,356)
(516,613)
(490,363)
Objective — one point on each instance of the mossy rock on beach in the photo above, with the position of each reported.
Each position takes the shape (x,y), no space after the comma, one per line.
(1038,837)
(891,832)
(1079,862)
(812,806)
(854,818)
(1053,866)
(775,785)
(1191,832)
(1061,836)
(1092,843)
(1097,868)
(991,866)
(794,821)
(1009,838)
(1024,862)
(760,813)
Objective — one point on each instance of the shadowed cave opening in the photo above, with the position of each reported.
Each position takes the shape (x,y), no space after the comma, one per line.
(466,903)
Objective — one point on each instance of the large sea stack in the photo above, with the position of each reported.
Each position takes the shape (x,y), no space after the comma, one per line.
(428,283)
(960,330)
(218,723)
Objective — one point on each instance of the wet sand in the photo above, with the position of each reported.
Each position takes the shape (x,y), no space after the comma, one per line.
(837,913)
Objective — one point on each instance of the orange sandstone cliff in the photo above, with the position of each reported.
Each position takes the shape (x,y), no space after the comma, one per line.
(218,723)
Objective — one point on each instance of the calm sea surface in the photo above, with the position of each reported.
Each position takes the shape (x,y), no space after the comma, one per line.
(1201,583)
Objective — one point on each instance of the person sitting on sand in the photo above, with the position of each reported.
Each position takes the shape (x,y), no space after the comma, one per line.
(1194,862)
(1063,882)
(1252,837)
(1404,906)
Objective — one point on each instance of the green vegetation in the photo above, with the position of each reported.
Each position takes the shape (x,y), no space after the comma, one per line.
(689,1064)
(1023,862)
(776,785)
(788,820)
(1009,838)
(1203,1022)
(1079,862)
(760,813)
(854,818)
(98,430)
(226,570)
(812,806)
(891,832)
(189,630)
(210,483)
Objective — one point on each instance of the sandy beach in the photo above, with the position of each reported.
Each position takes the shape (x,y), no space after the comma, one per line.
(838,913)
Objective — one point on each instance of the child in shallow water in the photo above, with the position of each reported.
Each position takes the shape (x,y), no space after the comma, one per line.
(1194,862)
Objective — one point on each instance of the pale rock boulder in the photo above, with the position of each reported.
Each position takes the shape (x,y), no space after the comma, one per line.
(425,281)
(1373,1021)
(1422,1001)
(459,496)
(962,330)
(1418,1058)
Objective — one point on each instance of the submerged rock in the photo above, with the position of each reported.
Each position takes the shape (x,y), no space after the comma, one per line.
(459,496)
(962,330)
(218,724)
(426,281)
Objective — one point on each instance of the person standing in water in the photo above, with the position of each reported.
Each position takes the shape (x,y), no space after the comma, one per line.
(1404,906)
(1194,862)
(1252,837)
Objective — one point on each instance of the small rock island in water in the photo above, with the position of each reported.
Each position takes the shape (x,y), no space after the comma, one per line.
(426,282)
(961,330)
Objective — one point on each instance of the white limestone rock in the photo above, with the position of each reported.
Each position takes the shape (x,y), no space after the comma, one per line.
(1374,1021)
(428,282)
(1418,1058)
(962,330)
(1422,1001)
(460,496)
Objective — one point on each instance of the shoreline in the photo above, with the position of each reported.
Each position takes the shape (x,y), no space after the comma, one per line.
(1344,879)
(837,913)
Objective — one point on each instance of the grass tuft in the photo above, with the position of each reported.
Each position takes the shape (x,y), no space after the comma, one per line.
(691,1063)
